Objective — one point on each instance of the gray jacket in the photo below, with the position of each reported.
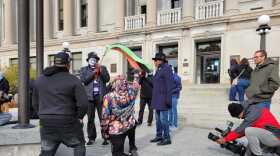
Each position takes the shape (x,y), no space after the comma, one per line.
(264,82)
(87,75)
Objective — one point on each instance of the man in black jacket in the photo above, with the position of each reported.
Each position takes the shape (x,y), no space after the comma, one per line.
(62,106)
(94,78)
(146,82)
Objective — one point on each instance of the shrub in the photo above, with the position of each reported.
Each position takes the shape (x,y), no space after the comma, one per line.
(11,74)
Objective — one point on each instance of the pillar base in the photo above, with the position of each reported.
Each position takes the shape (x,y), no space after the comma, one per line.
(24,126)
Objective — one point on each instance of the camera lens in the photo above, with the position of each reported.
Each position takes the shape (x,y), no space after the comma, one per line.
(212,137)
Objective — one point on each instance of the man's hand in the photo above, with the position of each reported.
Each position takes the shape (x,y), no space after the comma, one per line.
(221,141)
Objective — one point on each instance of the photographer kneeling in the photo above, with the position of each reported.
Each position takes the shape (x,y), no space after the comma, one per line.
(259,126)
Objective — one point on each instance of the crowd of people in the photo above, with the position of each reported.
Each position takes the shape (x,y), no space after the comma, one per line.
(259,125)
(64,100)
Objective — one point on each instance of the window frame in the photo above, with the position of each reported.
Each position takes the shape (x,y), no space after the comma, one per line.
(79,29)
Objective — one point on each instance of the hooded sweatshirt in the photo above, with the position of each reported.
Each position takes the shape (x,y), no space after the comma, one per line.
(61,95)
(263,83)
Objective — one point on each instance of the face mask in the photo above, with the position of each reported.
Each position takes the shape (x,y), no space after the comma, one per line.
(92,62)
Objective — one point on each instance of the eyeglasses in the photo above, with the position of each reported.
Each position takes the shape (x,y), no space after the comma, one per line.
(255,57)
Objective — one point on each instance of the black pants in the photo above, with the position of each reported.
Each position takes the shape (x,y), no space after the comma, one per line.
(94,105)
(117,142)
(68,131)
(143,102)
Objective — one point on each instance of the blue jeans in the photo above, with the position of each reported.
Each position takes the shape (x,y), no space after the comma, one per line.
(173,115)
(241,86)
(240,89)
(162,125)
(265,104)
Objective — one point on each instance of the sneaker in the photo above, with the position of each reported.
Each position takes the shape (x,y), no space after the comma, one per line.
(105,142)
(164,142)
(138,123)
(173,128)
(90,142)
(133,149)
(149,124)
(156,139)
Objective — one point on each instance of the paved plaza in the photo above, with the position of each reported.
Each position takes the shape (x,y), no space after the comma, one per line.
(186,141)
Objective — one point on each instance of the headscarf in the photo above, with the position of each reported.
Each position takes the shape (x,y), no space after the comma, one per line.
(120,89)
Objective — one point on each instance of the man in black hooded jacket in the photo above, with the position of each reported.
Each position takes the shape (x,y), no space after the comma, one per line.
(62,106)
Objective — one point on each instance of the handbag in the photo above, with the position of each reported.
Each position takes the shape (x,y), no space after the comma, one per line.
(236,80)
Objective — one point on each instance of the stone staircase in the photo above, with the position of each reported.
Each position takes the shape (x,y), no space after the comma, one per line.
(206,105)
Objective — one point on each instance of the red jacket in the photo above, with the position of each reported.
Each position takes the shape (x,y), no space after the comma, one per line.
(254,117)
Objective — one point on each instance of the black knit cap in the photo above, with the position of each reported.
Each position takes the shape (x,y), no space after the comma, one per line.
(61,59)
(235,109)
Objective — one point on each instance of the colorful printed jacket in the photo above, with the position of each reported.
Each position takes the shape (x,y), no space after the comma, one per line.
(117,117)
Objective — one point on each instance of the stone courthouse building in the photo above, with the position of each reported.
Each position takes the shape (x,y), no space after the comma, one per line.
(199,37)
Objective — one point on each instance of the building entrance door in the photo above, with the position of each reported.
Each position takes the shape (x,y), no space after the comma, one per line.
(208,62)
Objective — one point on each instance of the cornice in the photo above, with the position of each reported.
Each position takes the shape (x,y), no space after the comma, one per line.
(183,25)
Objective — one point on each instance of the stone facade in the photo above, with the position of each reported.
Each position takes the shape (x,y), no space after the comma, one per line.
(233,24)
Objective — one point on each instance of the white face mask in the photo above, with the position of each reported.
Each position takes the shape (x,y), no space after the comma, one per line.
(92,61)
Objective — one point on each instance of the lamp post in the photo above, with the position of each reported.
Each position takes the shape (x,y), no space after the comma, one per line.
(263,29)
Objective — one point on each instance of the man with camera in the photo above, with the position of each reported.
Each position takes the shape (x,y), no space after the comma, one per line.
(94,77)
(259,126)
(4,89)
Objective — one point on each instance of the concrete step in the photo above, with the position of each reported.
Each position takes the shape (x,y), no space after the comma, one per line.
(206,105)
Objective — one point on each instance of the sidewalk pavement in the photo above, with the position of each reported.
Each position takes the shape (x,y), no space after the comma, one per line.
(186,141)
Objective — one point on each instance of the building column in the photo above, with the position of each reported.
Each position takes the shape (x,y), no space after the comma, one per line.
(8,26)
(92,16)
(120,13)
(151,13)
(47,20)
(232,7)
(277,3)
(68,17)
(188,10)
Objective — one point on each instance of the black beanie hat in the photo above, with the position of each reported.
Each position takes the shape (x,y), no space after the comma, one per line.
(235,109)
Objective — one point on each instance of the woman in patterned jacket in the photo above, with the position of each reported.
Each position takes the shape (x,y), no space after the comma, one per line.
(118,119)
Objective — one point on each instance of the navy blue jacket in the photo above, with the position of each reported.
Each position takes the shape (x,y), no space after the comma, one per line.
(177,85)
(162,88)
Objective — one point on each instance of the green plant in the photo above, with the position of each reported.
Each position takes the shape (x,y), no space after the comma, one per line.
(11,74)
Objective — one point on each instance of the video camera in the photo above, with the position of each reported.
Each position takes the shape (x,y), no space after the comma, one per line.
(233,146)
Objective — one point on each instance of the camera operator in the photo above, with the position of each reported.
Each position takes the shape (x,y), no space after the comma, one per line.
(4,84)
(94,77)
(259,126)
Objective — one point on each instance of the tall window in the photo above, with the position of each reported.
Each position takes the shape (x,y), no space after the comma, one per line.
(175,4)
(32,60)
(76,62)
(51,60)
(143,9)
(84,13)
(60,15)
